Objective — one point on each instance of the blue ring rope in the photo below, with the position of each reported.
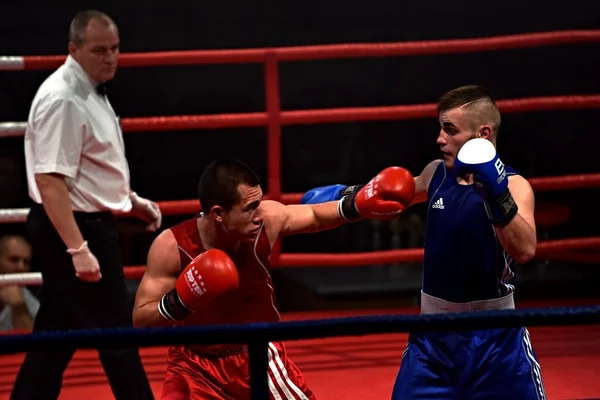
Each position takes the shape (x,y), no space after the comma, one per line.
(258,335)
(294,330)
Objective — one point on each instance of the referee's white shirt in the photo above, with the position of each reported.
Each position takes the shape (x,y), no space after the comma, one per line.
(74,131)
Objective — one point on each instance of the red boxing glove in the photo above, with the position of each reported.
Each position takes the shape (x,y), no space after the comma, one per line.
(384,197)
(209,275)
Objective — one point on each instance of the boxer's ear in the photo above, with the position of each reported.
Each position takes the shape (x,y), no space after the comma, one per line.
(485,132)
(217,212)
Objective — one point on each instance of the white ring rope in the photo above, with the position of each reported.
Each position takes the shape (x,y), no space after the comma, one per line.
(12,129)
(12,63)
(13,215)
(25,278)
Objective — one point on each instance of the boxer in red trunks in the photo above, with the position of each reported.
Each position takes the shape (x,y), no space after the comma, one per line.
(214,269)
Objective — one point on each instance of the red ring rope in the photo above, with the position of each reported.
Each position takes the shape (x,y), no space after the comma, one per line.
(540,184)
(350,114)
(241,56)
(545,250)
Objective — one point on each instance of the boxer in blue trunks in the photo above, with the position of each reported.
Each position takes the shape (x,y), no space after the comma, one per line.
(480,224)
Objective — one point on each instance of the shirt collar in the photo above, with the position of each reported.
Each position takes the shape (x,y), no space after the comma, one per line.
(78,71)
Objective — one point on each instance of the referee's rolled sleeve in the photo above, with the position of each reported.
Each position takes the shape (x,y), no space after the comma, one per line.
(58,138)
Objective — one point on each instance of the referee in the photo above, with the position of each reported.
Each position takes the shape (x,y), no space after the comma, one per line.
(78,179)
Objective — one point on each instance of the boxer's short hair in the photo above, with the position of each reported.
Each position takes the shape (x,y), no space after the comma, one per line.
(478,99)
(220,181)
(463,95)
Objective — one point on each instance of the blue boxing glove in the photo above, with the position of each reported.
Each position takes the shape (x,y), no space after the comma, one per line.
(478,156)
(324,194)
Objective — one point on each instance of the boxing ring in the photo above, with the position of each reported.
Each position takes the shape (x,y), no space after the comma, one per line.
(302,326)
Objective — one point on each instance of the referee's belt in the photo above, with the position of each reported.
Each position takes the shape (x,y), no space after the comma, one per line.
(102,216)
(82,216)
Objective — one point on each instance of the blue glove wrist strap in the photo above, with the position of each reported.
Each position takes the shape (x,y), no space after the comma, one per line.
(503,208)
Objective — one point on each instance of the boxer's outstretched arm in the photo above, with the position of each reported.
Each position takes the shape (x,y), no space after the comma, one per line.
(384,197)
(162,269)
(518,237)
(323,194)
(311,218)
(305,218)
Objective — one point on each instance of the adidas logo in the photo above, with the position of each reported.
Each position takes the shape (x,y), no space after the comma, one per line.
(439,204)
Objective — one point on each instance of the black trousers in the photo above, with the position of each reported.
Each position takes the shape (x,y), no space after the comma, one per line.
(69,303)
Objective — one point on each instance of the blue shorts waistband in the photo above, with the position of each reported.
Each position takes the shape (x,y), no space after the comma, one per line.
(435,305)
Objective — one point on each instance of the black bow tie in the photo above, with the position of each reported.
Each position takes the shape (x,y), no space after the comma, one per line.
(102,88)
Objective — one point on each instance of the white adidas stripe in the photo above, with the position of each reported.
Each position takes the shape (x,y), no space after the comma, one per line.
(536,373)
(278,371)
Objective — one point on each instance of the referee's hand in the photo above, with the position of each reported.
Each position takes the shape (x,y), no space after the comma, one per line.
(146,210)
(86,265)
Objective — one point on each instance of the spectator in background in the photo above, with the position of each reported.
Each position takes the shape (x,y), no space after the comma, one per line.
(18,306)
(78,179)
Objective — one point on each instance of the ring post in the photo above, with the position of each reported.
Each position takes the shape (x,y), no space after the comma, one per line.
(259,360)
(273,103)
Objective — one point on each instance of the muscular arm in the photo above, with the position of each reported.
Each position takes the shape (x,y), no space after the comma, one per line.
(310,218)
(519,237)
(162,269)
(305,218)
(55,198)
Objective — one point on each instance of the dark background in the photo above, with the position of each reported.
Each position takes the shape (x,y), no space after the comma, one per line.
(167,165)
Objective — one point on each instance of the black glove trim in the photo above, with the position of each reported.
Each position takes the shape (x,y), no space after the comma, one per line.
(347,209)
(506,207)
(171,307)
(349,190)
